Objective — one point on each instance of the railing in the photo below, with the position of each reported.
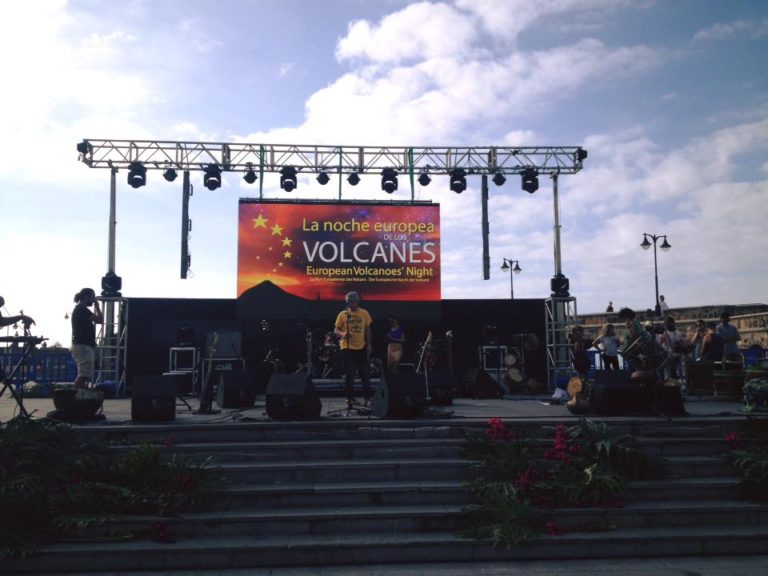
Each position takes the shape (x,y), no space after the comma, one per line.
(44,367)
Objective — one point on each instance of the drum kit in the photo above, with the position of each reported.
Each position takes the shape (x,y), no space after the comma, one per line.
(513,372)
(329,361)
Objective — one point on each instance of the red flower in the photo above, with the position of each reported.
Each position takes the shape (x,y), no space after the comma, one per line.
(731,437)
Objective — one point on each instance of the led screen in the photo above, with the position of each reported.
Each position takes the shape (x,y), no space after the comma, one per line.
(321,251)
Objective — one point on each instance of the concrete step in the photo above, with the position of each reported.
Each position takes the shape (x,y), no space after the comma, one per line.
(696,467)
(308,495)
(329,449)
(431,518)
(327,471)
(365,549)
(669,514)
(693,488)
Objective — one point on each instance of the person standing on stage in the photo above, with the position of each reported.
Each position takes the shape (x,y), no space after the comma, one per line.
(84,335)
(608,344)
(395,342)
(353,327)
(9,320)
(730,335)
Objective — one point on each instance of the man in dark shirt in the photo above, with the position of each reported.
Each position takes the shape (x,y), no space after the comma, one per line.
(84,335)
(713,345)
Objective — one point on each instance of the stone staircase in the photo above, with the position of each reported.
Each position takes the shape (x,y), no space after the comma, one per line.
(361,492)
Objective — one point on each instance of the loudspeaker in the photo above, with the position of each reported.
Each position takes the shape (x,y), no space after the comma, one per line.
(477,383)
(292,397)
(235,390)
(671,401)
(441,388)
(153,398)
(614,394)
(400,395)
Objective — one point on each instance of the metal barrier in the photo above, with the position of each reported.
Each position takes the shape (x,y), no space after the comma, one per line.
(43,366)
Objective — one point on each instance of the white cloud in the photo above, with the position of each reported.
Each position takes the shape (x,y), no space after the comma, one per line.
(417,32)
(737,28)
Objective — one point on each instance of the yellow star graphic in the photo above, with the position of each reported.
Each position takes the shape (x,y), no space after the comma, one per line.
(287,254)
(287,241)
(260,222)
(277,230)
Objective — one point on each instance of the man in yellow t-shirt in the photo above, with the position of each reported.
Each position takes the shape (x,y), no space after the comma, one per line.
(353,327)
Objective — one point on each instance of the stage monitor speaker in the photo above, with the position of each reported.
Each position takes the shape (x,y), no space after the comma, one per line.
(477,383)
(614,394)
(153,398)
(235,390)
(441,387)
(292,397)
(399,395)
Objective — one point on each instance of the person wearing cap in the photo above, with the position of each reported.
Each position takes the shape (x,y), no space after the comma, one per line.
(353,328)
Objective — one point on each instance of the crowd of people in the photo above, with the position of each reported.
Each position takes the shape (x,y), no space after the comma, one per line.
(644,345)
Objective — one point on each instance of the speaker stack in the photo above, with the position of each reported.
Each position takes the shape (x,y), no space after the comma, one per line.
(441,388)
(400,396)
(477,383)
(235,390)
(153,398)
(292,397)
(614,394)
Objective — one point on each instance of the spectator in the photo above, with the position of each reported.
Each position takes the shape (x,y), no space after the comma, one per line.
(712,345)
(730,335)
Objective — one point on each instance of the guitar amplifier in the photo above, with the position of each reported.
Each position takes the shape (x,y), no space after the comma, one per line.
(216,365)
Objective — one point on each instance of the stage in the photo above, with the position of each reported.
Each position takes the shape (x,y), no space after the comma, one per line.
(118,411)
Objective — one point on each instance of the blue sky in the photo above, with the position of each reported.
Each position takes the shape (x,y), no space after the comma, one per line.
(670,98)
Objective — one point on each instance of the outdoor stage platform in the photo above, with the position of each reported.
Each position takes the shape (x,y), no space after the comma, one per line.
(118,411)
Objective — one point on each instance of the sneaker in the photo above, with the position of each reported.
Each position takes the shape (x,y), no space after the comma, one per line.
(559,394)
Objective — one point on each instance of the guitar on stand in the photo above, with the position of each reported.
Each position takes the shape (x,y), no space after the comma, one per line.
(206,395)
(421,364)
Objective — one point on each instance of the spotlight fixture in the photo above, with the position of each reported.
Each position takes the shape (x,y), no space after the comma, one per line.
(581,154)
(353,179)
(458,180)
(323,178)
(212,177)
(424,178)
(499,179)
(250,176)
(170,175)
(137,174)
(288,178)
(530,179)
(84,147)
(389,180)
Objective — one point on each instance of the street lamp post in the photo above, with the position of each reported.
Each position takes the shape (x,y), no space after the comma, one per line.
(664,246)
(514,268)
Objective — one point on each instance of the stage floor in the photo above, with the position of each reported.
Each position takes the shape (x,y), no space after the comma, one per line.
(118,411)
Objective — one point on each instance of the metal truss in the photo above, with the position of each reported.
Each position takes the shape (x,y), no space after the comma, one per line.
(162,155)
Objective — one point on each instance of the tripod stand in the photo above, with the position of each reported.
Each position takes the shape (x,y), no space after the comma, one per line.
(29,342)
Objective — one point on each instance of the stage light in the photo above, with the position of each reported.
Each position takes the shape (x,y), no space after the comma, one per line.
(212,177)
(170,175)
(250,176)
(137,174)
(424,178)
(499,179)
(389,180)
(84,147)
(353,179)
(323,178)
(530,179)
(581,154)
(288,178)
(458,180)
